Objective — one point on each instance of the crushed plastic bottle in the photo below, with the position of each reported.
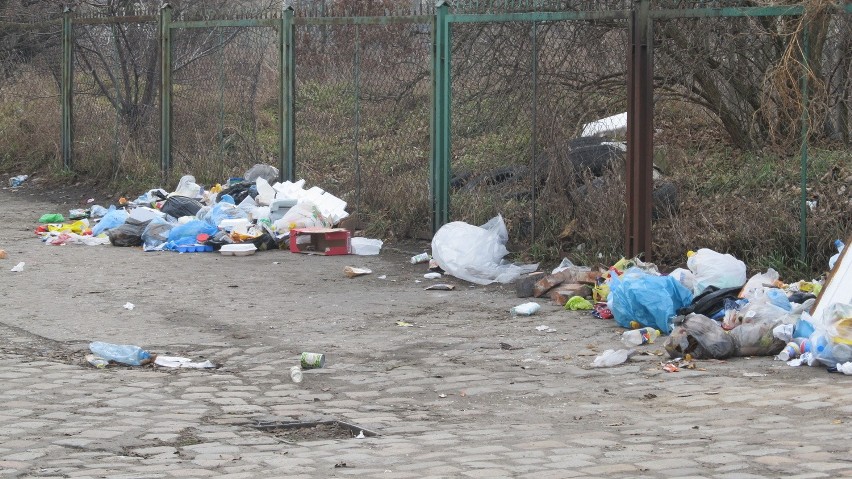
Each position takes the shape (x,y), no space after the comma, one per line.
(120,353)
(637,337)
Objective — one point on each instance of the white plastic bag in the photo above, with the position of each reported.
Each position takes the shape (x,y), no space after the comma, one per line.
(187,187)
(475,253)
(304,215)
(759,282)
(715,269)
(611,357)
(366,246)
(684,277)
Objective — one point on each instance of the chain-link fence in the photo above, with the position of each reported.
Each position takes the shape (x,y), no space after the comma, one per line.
(523,86)
(30,72)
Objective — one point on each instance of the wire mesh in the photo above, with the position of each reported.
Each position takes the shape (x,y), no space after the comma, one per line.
(30,69)
(362,120)
(730,126)
(116,99)
(224,101)
(522,93)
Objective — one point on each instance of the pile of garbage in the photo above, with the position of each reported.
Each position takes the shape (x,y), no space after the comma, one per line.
(248,214)
(709,310)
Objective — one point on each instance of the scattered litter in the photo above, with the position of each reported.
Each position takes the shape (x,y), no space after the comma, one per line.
(17,181)
(121,353)
(129,306)
(96,361)
(312,360)
(384,276)
(442,395)
(3,254)
(404,324)
(612,357)
(754,375)
(366,246)
(296,374)
(432,275)
(341,464)
(578,303)
(845,368)
(360,435)
(351,271)
(440,287)
(638,337)
(475,253)
(18,267)
(545,328)
(179,362)
(526,309)
(420,258)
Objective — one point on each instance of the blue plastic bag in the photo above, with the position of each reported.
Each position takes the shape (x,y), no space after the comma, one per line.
(222,211)
(191,230)
(112,219)
(647,299)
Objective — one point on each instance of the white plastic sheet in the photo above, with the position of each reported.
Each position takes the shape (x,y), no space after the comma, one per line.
(475,253)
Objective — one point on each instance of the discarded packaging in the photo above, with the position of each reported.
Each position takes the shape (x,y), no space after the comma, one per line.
(578,303)
(324,241)
(648,299)
(420,258)
(3,254)
(239,249)
(296,374)
(475,253)
(185,363)
(18,267)
(637,337)
(366,246)
(17,181)
(440,287)
(715,269)
(312,360)
(432,276)
(121,353)
(129,306)
(526,309)
(96,361)
(612,357)
(351,271)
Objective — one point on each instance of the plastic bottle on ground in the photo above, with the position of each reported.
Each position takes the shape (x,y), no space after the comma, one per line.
(296,374)
(639,336)
(790,351)
(420,258)
(120,353)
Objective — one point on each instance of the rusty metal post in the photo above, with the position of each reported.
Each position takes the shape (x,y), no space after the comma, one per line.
(640,132)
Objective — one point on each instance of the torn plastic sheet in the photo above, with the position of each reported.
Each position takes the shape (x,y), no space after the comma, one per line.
(178,362)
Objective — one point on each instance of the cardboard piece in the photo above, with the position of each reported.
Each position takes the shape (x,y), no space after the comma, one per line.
(323,241)
(551,281)
(838,286)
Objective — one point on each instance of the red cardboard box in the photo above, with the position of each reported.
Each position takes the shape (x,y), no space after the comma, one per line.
(324,241)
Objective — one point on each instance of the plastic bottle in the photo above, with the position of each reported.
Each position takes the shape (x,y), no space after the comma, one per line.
(120,353)
(790,351)
(839,245)
(296,374)
(420,258)
(639,336)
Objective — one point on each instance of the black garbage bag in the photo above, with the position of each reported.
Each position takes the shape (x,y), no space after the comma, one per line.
(128,234)
(238,191)
(178,206)
(711,301)
(218,240)
(267,241)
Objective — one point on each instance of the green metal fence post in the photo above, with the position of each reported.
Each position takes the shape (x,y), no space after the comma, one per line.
(803,207)
(67,131)
(441,146)
(165,88)
(286,97)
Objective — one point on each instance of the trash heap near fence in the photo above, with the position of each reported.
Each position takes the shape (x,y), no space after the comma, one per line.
(712,309)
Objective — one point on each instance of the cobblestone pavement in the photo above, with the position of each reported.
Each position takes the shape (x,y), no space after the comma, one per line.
(467,391)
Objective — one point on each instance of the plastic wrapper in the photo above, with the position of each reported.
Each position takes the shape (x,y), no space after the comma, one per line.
(475,253)
(112,219)
(759,309)
(703,338)
(191,230)
(758,282)
(715,269)
(647,299)
(128,234)
(221,211)
(304,215)
(187,187)
(156,233)
(267,172)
